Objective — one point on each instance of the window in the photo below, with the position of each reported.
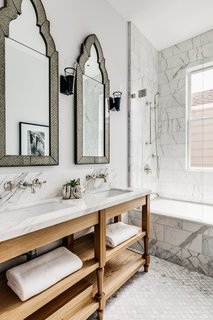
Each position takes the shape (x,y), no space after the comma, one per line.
(200,117)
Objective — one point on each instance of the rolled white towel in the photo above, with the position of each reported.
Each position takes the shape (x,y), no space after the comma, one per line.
(35,276)
(119,232)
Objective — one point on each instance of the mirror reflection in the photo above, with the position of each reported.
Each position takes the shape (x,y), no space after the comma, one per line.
(93,117)
(93,108)
(27,87)
(27,100)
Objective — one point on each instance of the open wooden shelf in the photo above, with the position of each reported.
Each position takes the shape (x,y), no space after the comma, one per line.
(88,243)
(76,300)
(112,252)
(11,307)
(104,269)
(118,270)
(85,311)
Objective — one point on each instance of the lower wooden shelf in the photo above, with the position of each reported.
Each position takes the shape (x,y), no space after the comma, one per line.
(121,265)
(11,307)
(118,270)
(76,300)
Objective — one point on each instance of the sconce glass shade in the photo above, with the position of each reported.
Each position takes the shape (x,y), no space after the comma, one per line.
(115,101)
(67,81)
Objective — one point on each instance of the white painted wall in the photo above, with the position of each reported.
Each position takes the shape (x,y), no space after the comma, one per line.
(71,22)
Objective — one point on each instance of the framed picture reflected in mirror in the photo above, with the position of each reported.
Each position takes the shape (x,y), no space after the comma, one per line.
(34,139)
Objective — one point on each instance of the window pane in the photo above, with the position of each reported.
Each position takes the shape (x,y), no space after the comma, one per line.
(201,146)
(201,118)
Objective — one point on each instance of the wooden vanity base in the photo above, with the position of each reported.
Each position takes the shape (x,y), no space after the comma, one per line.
(104,269)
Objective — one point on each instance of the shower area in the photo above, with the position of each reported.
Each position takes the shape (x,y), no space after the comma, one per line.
(171,145)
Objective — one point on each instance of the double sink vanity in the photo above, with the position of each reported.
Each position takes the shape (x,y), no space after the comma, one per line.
(29,136)
(104,270)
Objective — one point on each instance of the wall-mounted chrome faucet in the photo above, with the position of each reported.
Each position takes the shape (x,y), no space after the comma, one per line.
(35,184)
(95,176)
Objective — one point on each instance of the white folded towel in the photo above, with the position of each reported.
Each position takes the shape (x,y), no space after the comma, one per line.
(119,232)
(35,276)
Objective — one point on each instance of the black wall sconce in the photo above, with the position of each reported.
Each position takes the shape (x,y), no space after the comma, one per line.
(67,81)
(115,101)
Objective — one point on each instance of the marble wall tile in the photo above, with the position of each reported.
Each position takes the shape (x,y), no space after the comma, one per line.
(167,221)
(52,187)
(175,236)
(186,243)
(197,262)
(167,252)
(172,120)
(157,232)
(207,249)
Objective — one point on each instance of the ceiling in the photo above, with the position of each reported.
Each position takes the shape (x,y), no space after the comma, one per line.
(167,22)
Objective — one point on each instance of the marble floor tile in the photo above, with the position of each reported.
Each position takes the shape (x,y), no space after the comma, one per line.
(167,292)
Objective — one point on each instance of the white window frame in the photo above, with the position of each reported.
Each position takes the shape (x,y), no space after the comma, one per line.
(189,72)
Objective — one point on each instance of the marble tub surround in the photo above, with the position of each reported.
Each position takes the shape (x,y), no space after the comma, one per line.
(186,243)
(22,219)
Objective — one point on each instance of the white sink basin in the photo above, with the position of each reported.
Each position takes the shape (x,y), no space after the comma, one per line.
(36,210)
(111,193)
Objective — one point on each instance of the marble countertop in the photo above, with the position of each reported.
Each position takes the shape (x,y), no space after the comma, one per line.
(19,220)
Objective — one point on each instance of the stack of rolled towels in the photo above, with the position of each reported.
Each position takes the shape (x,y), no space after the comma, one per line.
(119,232)
(37,275)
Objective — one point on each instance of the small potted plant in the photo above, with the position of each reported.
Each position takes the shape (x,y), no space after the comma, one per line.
(72,184)
(73,190)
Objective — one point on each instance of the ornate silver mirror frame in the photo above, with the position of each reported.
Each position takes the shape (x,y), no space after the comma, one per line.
(10,11)
(80,70)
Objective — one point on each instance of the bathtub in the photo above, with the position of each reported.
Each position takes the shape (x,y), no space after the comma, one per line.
(181,232)
(201,213)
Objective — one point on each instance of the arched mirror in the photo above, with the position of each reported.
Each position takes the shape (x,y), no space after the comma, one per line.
(28,86)
(91,105)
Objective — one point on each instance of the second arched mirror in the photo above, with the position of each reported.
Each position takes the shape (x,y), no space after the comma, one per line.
(92,123)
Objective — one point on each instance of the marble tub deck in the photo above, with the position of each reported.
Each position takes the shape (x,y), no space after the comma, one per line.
(172,293)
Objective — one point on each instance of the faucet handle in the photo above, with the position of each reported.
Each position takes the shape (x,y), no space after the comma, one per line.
(8,186)
(36,183)
(91,176)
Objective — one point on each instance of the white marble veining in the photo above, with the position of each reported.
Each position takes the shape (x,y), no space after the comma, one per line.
(18,220)
(165,73)
(52,187)
(181,232)
(175,182)
(143,66)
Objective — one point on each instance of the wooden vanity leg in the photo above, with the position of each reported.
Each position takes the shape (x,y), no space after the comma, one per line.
(100,254)
(146,227)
